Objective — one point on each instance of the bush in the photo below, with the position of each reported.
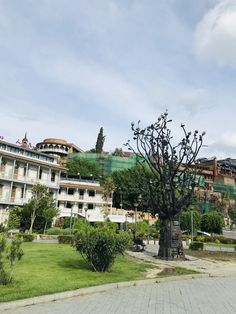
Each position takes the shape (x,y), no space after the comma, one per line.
(99,247)
(9,255)
(199,238)
(65,239)
(212,222)
(54,231)
(26,237)
(217,241)
(195,246)
(186,236)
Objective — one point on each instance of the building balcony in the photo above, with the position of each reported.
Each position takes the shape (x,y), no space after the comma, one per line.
(28,180)
(12,201)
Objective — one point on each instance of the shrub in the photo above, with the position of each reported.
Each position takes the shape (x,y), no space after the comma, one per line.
(200,238)
(228,241)
(154,235)
(99,247)
(54,231)
(26,237)
(212,222)
(186,236)
(217,241)
(10,253)
(195,246)
(65,239)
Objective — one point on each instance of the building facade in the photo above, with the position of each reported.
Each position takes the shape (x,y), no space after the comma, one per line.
(22,167)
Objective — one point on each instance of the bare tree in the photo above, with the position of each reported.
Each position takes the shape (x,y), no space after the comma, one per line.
(174,166)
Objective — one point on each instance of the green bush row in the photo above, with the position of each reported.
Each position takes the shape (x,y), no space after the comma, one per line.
(195,246)
(217,239)
(65,239)
(26,237)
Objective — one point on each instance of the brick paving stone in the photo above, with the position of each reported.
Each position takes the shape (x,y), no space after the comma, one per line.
(204,295)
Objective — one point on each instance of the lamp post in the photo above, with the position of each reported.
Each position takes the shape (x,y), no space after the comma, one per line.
(86,209)
(126,217)
(70,229)
(136,204)
(192,225)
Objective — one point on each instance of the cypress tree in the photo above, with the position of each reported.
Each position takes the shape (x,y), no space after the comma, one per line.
(100,141)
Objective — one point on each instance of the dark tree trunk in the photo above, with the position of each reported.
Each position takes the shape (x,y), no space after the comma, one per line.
(170,243)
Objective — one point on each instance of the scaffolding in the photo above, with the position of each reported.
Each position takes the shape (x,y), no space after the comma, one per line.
(107,162)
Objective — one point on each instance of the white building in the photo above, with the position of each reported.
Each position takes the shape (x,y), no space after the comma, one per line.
(22,167)
(83,198)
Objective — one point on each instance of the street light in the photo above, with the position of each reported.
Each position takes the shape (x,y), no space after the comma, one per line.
(136,204)
(148,227)
(70,229)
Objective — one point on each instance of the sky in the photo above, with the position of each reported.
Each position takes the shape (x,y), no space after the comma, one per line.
(68,68)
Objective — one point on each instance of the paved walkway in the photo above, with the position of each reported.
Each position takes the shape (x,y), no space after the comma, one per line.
(206,295)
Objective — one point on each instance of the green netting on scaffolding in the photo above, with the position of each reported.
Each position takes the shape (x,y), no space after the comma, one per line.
(225,189)
(107,162)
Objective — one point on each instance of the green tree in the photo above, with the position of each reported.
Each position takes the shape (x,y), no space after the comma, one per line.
(118,152)
(185,220)
(14,217)
(232,215)
(49,212)
(100,141)
(40,201)
(108,189)
(130,183)
(83,167)
(212,222)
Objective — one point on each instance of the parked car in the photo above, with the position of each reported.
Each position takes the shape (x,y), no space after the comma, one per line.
(198,232)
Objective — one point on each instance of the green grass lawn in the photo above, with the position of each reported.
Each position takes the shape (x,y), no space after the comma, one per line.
(49,268)
(214,255)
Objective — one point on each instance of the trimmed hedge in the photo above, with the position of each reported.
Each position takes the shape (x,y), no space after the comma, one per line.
(64,239)
(195,246)
(26,237)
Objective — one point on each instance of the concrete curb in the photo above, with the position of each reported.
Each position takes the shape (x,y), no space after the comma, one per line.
(94,289)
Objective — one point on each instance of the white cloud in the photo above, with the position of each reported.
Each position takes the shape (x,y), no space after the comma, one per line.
(215,36)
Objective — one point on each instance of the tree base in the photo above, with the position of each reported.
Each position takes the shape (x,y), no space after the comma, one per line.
(171,246)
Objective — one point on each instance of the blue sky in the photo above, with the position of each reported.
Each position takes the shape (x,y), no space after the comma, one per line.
(70,67)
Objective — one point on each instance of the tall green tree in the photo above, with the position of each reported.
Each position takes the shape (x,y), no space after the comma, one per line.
(100,141)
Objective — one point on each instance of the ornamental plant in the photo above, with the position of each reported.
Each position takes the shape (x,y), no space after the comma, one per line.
(100,246)
(9,255)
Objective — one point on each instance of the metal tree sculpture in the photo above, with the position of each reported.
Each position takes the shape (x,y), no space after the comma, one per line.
(174,167)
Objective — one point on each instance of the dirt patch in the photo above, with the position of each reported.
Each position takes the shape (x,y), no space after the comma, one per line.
(153,272)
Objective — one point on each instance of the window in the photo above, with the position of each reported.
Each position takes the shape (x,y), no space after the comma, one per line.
(80,205)
(68,205)
(71,191)
(40,173)
(22,193)
(25,170)
(53,176)
(91,193)
(90,206)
